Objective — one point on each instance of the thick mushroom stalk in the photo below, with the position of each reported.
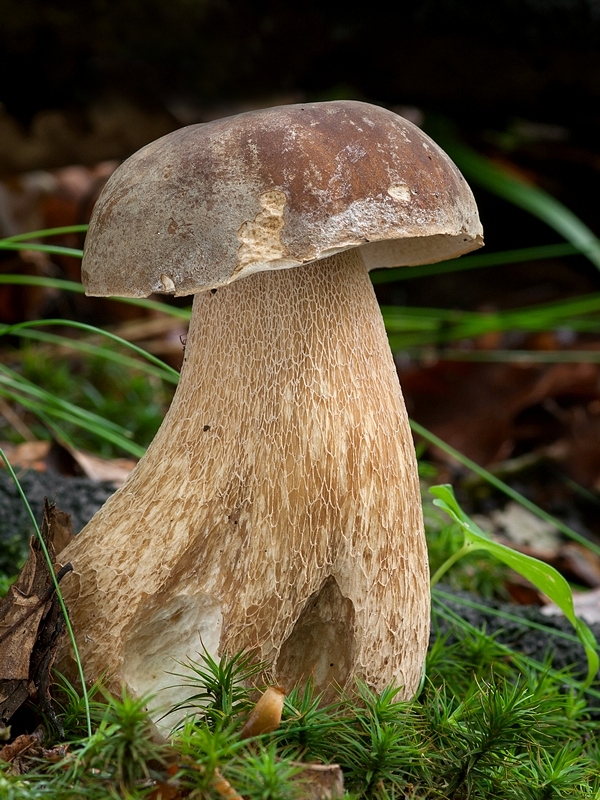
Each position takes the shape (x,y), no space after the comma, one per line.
(278,506)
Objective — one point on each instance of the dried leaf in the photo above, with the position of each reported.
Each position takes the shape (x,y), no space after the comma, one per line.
(31,622)
(478,408)
(115,470)
(28,455)
(66,460)
(21,744)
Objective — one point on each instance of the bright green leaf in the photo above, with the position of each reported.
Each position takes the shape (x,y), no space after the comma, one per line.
(543,576)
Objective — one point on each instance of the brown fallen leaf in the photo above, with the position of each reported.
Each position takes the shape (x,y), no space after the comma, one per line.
(66,460)
(31,623)
(115,470)
(26,753)
(478,408)
(21,745)
(522,592)
(27,455)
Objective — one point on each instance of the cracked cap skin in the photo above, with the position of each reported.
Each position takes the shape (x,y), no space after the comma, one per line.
(272,189)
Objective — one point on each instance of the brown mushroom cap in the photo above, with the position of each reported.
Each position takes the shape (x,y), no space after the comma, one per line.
(276,188)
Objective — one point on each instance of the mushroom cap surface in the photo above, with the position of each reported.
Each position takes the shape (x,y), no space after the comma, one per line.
(273,189)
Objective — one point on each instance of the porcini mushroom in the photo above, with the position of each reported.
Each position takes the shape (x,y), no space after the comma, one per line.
(278,507)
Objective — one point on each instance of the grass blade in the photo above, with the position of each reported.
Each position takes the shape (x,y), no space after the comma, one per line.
(23,237)
(52,249)
(418,327)
(73,286)
(44,404)
(57,589)
(476,261)
(513,356)
(439,608)
(100,352)
(165,371)
(483,172)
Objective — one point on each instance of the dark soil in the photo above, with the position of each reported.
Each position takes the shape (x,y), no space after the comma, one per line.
(80,497)
(536,644)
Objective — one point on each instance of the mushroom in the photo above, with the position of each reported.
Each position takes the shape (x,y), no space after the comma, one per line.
(278,508)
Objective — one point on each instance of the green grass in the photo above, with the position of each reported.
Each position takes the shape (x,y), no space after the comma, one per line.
(485,725)
(103,390)
(77,398)
(413,328)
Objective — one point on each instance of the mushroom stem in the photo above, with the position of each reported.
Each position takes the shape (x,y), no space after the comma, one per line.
(278,507)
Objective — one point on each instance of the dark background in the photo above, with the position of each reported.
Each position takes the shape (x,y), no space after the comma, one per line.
(82,82)
(483,63)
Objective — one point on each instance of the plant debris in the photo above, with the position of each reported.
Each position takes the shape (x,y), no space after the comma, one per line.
(31,622)
(265,717)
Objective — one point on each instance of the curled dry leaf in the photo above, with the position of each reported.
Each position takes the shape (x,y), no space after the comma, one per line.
(66,460)
(114,470)
(21,745)
(22,753)
(31,622)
